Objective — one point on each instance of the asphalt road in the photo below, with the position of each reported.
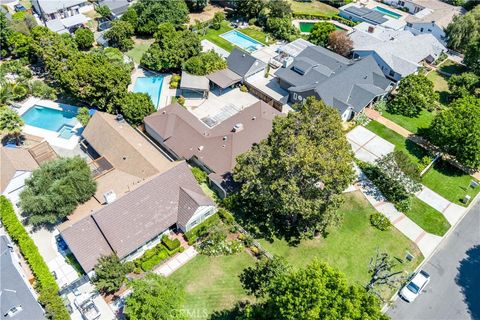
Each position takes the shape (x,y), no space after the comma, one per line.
(454,289)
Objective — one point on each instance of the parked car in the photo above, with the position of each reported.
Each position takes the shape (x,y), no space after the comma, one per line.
(414,286)
(19,8)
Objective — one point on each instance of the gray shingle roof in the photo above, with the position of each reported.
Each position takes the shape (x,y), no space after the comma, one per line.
(51,6)
(242,63)
(190,81)
(117,7)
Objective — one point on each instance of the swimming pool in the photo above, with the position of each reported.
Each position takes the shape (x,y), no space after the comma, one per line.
(242,40)
(61,121)
(151,86)
(387,12)
(308,26)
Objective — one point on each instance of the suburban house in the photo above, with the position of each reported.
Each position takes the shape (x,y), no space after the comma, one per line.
(427,16)
(346,85)
(18,300)
(358,13)
(117,7)
(62,16)
(212,147)
(398,53)
(17,165)
(136,222)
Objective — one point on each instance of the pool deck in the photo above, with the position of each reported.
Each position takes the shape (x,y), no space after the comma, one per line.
(165,95)
(296,23)
(50,136)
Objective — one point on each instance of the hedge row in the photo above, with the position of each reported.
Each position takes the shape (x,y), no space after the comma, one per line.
(320,16)
(45,285)
(201,229)
(170,244)
(153,257)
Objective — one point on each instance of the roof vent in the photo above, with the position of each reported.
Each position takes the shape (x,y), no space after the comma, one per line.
(371,29)
(119,118)
(109,196)
(164,112)
(243,55)
(224,138)
(200,148)
(254,118)
(238,127)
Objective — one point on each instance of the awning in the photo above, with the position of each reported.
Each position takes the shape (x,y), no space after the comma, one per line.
(73,21)
(224,78)
(192,82)
(55,25)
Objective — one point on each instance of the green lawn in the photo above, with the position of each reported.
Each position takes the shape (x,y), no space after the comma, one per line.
(313,7)
(451,67)
(214,36)
(427,217)
(449,182)
(411,124)
(212,283)
(140,47)
(439,81)
(258,34)
(414,151)
(350,247)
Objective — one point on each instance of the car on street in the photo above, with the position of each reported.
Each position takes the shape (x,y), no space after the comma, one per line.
(414,286)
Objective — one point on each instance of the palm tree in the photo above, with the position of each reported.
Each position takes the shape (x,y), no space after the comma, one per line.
(11,123)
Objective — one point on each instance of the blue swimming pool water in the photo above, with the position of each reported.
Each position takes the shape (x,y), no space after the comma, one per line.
(150,85)
(387,12)
(61,121)
(241,40)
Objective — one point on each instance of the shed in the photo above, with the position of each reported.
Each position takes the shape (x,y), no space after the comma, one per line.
(193,85)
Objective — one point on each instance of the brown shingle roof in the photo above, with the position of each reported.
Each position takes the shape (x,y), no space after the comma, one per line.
(218,146)
(13,160)
(124,147)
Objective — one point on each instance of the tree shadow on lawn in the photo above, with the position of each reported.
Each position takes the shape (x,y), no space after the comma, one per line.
(415,150)
(468,278)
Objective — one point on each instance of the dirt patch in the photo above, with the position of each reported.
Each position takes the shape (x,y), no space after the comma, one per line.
(205,15)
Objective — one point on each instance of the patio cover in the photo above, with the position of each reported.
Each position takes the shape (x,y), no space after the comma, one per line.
(74,20)
(56,25)
(224,78)
(192,82)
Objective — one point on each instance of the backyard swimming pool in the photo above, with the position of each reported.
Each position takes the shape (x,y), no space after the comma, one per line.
(242,40)
(60,121)
(151,86)
(387,12)
(308,26)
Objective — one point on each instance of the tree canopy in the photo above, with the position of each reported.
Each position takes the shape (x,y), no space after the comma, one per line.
(205,63)
(4,35)
(55,189)
(340,43)
(11,124)
(104,11)
(320,33)
(291,182)
(154,297)
(279,8)
(415,93)
(464,29)
(249,8)
(131,17)
(197,5)
(109,274)
(464,84)
(120,35)
(152,13)
(136,106)
(171,48)
(456,129)
(281,28)
(84,38)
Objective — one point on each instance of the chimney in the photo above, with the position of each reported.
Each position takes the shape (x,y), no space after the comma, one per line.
(200,148)
(238,127)
(371,29)
(109,196)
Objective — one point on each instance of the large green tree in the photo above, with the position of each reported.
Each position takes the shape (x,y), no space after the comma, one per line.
(281,28)
(415,93)
(11,124)
(291,182)
(464,29)
(320,33)
(205,63)
(314,292)
(136,106)
(120,35)
(110,274)
(472,56)
(5,32)
(152,13)
(197,5)
(464,84)
(249,8)
(279,8)
(20,45)
(84,38)
(171,48)
(457,130)
(131,17)
(154,297)
(55,189)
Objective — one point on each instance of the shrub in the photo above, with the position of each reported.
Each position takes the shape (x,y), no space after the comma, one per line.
(169,243)
(199,174)
(46,285)
(404,205)
(379,221)
(252,21)
(181,101)
(244,88)
(255,250)
(42,90)
(217,244)
(426,160)
(83,115)
(380,106)
(137,270)
(202,229)
(217,20)
(226,216)
(181,249)
(173,85)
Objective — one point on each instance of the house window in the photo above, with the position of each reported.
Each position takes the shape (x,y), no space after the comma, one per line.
(429,30)
(421,29)
(409,24)
(391,73)
(401,3)
(300,97)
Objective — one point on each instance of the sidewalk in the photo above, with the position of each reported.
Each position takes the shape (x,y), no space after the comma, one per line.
(451,211)
(176,262)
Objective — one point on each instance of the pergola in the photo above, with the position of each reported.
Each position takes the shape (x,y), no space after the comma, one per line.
(196,84)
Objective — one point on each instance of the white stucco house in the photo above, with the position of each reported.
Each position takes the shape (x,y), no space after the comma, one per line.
(62,16)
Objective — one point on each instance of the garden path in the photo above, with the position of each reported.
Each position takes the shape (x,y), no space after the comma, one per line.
(176,262)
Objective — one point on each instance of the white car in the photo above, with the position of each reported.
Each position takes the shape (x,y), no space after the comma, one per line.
(414,286)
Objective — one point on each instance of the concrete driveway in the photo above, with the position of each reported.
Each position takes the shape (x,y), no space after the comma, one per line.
(367,146)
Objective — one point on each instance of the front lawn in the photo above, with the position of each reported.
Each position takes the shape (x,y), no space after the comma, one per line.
(449,182)
(440,83)
(212,283)
(141,46)
(411,124)
(451,67)
(350,247)
(213,35)
(312,8)
(427,217)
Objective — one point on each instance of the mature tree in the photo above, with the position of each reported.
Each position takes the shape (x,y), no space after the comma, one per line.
(256,279)
(197,5)
(464,29)
(291,182)
(42,90)
(249,8)
(314,292)
(171,48)
(415,93)
(84,38)
(205,63)
(217,20)
(472,56)
(407,165)
(83,115)
(281,28)
(11,124)
(340,43)
(5,32)
(155,297)
(104,11)
(20,45)
(120,35)
(109,274)
(131,17)
(383,272)
(23,23)
(152,13)
(320,33)
(93,78)
(136,106)
(279,8)
(464,84)
(55,189)
(457,130)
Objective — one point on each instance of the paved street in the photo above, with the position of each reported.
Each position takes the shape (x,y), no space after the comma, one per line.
(454,290)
